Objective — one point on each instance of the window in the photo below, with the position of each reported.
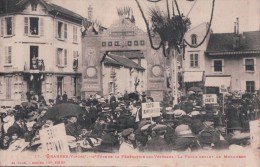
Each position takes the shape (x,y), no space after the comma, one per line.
(194,39)
(61,30)
(75,34)
(129,43)
(194,60)
(250,86)
(7,26)
(8,83)
(249,64)
(75,59)
(34,6)
(8,55)
(59,85)
(218,65)
(136,43)
(142,43)
(34,50)
(61,59)
(109,43)
(116,43)
(104,43)
(33,26)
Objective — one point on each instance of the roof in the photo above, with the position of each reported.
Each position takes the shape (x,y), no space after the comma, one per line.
(14,6)
(124,61)
(109,61)
(132,54)
(223,42)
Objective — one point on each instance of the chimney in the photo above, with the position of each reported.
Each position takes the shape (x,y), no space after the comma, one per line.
(236,36)
(235,29)
(237,26)
(90,12)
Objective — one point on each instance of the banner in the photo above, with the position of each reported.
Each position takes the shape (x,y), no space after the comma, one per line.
(150,109)
(255,133)
(54,139)
(210,99)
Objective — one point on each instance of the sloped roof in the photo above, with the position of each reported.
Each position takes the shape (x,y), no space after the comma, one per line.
(223,42)
(109,61)
(132,54)
(124,61)
(13,6)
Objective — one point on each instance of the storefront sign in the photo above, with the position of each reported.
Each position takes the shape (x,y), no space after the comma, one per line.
(210,99)
(54,139)
(255,133)
(223,89)
(150,109)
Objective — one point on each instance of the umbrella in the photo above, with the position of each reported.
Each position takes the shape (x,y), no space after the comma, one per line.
(63,110)
(195,89)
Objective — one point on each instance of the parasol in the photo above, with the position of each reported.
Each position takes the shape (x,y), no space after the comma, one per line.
(63,110)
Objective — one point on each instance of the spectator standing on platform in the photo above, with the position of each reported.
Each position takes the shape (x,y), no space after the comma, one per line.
(65,97)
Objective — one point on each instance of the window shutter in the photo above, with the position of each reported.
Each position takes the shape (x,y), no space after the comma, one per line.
(6,54)
(56,29)
(57,56)
(65,57)
(9,55)
(13,25)
(2,27)
(26,25)
(41,27)
(65,31)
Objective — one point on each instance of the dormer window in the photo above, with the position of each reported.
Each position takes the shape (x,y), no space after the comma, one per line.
(194,39)
(34,6)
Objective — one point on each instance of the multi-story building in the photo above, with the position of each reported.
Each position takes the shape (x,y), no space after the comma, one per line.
(193,61)
(232,61)
(40,50)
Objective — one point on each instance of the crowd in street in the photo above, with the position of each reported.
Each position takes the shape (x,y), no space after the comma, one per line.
(115,123)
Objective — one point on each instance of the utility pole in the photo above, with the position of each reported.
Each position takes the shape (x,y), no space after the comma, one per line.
(174,79)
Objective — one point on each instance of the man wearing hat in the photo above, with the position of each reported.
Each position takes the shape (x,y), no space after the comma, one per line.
(18,126)
(128,145)
(185,139)
(72,127)
(109,141)
(157,142)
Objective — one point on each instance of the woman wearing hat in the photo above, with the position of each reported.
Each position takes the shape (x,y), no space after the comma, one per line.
(128,145)
(8,120)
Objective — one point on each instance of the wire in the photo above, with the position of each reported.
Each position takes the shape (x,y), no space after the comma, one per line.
(211,18)
(147,27)
(192,7)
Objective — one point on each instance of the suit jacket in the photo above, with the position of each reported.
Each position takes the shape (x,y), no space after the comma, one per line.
(157,144)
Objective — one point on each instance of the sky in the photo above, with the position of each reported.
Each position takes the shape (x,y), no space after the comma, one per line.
(225,12)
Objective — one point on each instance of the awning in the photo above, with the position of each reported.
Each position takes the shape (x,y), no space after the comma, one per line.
(193,76)
(217,81)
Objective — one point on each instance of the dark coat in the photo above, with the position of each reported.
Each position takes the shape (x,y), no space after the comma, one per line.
(157,144)
(15,128)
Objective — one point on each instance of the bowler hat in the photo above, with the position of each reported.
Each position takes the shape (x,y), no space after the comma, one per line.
(182,144)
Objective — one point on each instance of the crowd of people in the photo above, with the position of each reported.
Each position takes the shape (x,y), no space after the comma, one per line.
(115,124)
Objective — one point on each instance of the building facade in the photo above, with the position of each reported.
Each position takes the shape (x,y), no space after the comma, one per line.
(193,66)
(40,50)
(232,61)
(125,39)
